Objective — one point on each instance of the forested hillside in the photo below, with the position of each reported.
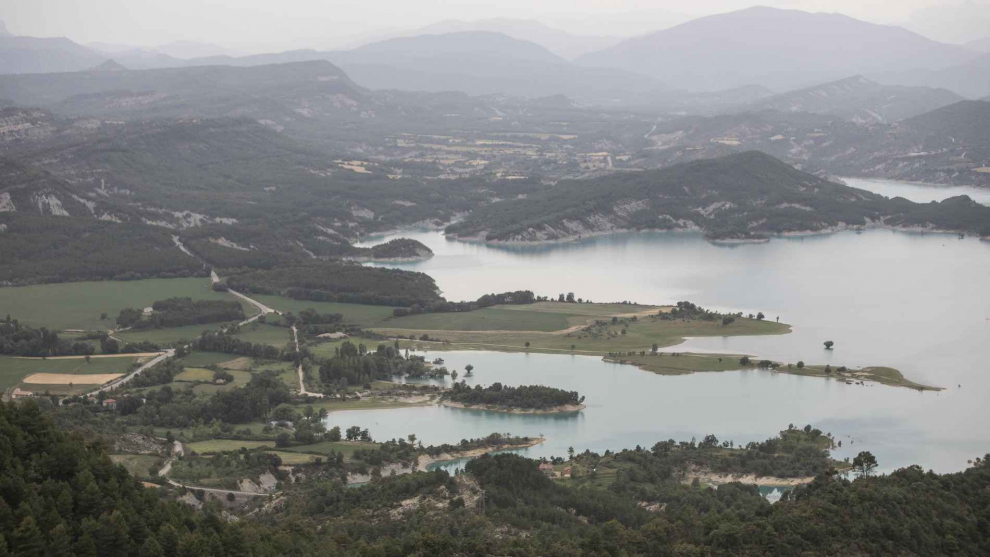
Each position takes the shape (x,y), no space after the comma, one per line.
(744,196)
(61,496)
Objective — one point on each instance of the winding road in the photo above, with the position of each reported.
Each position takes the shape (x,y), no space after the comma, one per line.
(177,451)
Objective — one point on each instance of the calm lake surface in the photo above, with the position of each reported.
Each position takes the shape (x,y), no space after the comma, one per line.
(919,193)
(916,302)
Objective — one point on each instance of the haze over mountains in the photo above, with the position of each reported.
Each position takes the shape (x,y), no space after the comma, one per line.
(781,49)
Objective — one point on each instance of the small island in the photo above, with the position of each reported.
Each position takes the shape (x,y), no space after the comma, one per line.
(399,249)
(525,399)
(680,363)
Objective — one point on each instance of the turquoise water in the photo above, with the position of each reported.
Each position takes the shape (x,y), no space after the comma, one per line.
(916,302)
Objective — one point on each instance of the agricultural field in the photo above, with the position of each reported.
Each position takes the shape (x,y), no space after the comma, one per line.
(543,317)
(286,373)
(78,305)
(299,453)
(195,374)
(169,335)
(137,464)
(202,359)
(14,370)
(260,333)
(356,314)
(581,336)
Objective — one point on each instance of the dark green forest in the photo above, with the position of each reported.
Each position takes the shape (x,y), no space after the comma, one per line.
(530,397)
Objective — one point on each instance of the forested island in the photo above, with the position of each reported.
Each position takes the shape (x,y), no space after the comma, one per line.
(535,399)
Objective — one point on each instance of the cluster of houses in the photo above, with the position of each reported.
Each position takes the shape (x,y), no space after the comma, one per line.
(549,472)
(17,393)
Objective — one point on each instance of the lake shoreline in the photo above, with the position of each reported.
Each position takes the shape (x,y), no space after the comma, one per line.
(728,241)
(425,460)
(564,409)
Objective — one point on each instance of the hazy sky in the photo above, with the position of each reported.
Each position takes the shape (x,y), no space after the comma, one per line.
(255,25)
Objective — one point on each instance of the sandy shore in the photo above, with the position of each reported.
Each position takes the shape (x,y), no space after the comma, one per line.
(490,408)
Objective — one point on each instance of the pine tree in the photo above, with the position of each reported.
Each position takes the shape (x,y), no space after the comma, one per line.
(27,540)
(151,548)
(59,542)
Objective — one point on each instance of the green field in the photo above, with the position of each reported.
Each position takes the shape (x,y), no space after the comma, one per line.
(199,359)
(640,335)
(356,314)
(285,372)
(78,305)
(137,464)
(291,459)
(542,316)
(13,370)
(221,445)
(259,333)
(298,452)
(195,374)
(169,335)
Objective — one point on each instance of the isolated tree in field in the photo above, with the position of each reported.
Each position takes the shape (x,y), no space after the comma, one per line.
(654,348)
(468,368)
(103,317)
(865,463)
(829,344)
(527,344)
(760,316)
(744,360)
(570,297)
(800,364)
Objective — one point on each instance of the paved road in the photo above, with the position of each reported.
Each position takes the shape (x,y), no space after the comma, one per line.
(262,308)
(127,378)
(302,376)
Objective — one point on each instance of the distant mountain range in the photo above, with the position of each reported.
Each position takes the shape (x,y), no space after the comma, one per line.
(979,45)
(484,62)
(566,45)
(857,99)
(757,49)
(971,78)
(780,49)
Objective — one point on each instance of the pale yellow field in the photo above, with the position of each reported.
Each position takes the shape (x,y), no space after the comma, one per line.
(67,378)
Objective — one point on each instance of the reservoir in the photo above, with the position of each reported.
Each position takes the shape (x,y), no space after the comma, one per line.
(884,297)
